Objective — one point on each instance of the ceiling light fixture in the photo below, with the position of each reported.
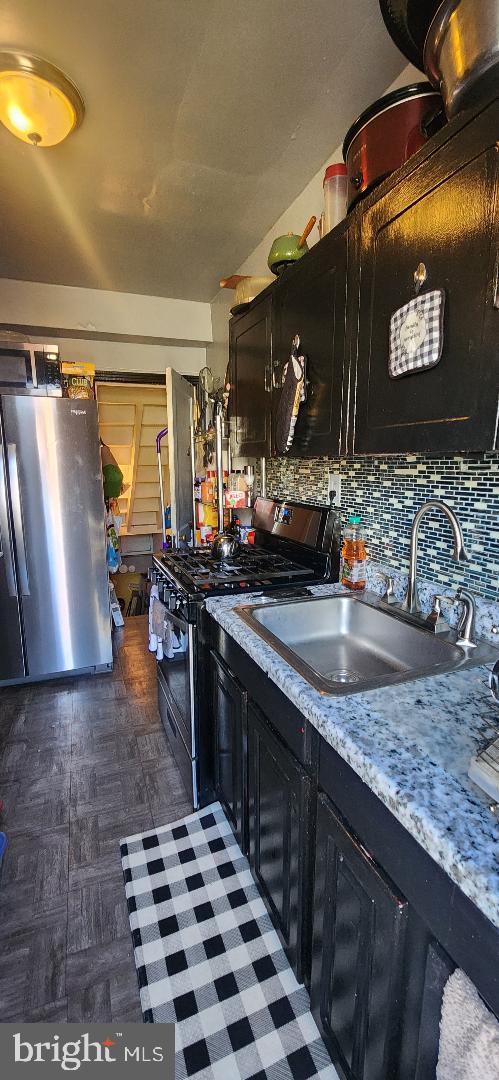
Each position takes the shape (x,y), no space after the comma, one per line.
(38,103)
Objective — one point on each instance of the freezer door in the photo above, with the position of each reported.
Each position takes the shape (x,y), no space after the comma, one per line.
(55,482)
(11,646)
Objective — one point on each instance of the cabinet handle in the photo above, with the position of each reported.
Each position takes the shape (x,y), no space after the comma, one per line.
(420,276)
(17,514)
(267,380)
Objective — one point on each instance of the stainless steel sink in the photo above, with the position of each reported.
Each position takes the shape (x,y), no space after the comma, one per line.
(346,644)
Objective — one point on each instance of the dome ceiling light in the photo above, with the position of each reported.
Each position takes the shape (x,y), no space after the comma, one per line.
(38,103)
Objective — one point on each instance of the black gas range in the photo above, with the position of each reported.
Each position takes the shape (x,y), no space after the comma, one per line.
(296,544)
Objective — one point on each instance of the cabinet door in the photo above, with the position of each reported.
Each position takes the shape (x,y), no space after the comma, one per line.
(310,301)
(445,216)
(438,968)
(279,806)
(250,357)
(359,923)
(229,725)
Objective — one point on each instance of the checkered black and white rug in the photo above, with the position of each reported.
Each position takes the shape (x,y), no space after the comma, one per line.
(208,957)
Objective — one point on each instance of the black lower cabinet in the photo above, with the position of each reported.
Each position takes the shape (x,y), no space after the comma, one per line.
(423,1007)
(374,936)
(229,707)
(359,930)
(279,821)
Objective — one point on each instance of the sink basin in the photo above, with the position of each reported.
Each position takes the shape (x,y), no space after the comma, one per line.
(346,644)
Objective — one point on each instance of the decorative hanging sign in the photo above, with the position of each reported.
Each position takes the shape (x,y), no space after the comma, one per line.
(417,334)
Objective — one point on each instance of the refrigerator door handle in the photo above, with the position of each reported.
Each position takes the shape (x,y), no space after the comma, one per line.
(15,494)
(5,543)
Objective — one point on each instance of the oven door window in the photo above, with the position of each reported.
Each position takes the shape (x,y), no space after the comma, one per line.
(176,670)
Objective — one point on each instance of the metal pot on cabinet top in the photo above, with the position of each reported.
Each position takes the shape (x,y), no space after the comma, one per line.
(461,53)
(407,22)
(387,133)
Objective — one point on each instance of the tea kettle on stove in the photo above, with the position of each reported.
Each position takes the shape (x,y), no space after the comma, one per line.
(225,546)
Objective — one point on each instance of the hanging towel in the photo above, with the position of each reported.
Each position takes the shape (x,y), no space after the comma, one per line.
(469,1034)
(158,627)
(174,641)
(153,641)
(158,617)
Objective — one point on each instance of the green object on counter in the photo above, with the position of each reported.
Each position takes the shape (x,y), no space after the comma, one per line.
(113,481)
(285,250)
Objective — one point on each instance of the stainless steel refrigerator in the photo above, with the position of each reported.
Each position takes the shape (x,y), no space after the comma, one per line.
(54,599)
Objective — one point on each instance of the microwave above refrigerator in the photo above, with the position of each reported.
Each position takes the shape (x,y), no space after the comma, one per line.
(30,369)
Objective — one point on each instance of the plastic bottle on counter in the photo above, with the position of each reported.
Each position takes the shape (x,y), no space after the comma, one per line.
(250,485)
(354,555)
(335,195)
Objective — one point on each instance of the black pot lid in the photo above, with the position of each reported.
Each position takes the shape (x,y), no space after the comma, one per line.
(408,22)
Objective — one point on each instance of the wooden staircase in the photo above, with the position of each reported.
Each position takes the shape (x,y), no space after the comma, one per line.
(130,416)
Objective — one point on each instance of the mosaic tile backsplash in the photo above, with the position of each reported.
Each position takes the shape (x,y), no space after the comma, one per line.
(387,491)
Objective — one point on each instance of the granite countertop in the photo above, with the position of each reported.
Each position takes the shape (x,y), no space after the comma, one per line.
(411,743)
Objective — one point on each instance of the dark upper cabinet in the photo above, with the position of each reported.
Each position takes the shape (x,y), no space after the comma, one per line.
(279,815)
(250,343)
(444,215)
(442,211)
(310,300)
(229,704)
(359,929)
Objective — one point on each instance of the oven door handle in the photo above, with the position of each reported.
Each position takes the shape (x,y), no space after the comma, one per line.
(177,622)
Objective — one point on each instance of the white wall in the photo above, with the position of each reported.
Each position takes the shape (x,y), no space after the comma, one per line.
(129,314)
(294,219)
(310,201)
(129,356)
(217,351)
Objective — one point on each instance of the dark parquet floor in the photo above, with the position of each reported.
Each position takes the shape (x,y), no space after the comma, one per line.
(83,762)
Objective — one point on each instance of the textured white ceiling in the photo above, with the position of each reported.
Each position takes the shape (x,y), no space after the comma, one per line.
(204,120)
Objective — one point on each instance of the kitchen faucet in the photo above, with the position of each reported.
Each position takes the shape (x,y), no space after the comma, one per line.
(411,601)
